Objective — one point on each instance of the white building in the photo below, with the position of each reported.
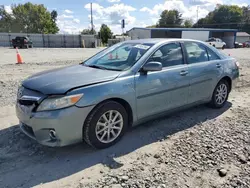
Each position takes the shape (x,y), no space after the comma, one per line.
(242,37)
(227,35)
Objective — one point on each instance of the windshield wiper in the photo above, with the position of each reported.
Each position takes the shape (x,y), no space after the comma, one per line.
(103,68)
(96,66)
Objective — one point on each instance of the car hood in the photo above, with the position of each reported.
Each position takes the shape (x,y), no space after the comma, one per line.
(61,80)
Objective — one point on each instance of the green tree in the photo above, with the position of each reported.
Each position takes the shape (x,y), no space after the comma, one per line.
(246,19)
(170,18)
(5,20)
(188,23)
(151,26)
(105,33)
(226,16)
(88,32)
(30,18)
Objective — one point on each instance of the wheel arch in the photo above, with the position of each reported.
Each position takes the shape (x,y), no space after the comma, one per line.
(228,80)
(122,102)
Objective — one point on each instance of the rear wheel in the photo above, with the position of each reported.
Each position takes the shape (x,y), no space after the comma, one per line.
(220,95)
(223,47)
(105,125)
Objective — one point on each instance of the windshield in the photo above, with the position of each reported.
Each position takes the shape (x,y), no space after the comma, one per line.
(119,57)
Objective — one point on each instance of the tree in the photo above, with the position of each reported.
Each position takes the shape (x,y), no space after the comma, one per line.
(246,19)
(188,23)
(170,18)
(226,16)
(30,18)
(151,26)
(88,32)
(105,33)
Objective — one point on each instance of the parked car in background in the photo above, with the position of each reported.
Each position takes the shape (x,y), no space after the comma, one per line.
(216,42)
(246,44)
(122,86)
(22,42)
(238,45)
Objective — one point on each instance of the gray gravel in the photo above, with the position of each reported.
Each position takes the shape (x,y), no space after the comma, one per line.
(199,147)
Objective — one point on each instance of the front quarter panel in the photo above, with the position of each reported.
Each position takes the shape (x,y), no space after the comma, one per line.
(122,88)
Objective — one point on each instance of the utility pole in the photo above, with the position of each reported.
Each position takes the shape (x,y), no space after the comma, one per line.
(92,25)
(197,15)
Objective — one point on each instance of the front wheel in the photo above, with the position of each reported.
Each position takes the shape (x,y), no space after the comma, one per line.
(105,125)
(220,95)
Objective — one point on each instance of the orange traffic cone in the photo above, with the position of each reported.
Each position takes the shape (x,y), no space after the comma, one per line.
(19,58)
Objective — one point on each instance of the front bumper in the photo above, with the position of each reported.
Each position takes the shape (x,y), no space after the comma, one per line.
(67,123)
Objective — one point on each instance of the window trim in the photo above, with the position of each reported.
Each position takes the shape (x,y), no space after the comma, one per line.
(163,68)
(208,49)
(200,44)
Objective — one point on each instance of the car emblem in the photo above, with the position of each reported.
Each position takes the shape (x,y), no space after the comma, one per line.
(20,92)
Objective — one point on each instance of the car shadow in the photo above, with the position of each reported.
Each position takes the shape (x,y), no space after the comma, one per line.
(24,163)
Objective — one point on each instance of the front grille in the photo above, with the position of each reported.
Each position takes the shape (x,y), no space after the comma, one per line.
(28,129)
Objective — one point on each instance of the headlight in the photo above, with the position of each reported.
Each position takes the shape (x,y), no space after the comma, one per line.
(59,102)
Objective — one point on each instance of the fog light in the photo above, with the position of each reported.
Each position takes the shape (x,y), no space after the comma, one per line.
(52,134)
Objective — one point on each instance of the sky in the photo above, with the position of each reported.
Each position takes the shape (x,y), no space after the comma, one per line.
(74,15)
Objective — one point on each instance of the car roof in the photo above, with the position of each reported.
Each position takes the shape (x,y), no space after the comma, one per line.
(160,40)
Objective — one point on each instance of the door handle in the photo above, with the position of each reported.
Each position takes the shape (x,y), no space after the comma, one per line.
(218,65)
(183,73)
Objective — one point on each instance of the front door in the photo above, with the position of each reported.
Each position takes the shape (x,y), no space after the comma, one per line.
(163,90)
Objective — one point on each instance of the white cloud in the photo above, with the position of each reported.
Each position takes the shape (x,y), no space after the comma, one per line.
(8,9)
(75,20)
(65,16)
(68,11)
(114,13)
(114,1)
(95,6)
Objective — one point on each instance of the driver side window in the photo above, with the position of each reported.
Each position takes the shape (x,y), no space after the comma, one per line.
(169,55)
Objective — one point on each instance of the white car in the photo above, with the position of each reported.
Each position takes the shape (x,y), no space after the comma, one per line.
(216,42)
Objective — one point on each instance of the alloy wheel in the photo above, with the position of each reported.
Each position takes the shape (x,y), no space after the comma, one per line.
(109,126)
(221,94)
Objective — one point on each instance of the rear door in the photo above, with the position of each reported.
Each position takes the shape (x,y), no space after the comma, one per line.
(204,70)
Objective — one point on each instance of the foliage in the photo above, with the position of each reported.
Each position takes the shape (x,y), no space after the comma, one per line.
(188,23)
(30,18)
(226,16)
(170,18)
(88,32)
(151,26)
(105,33)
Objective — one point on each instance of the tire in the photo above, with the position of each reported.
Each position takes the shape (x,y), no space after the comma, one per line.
(91,128)
(213,45)
(14,47)
(223,47)
(30,46)
(215,103)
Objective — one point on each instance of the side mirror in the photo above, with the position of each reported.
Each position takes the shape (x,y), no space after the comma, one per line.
(152,66)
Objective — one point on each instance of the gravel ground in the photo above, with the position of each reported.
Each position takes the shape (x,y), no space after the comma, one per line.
(199,147)
(44,55)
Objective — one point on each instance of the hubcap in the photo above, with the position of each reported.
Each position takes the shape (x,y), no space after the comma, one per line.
(221,94)
(109,126)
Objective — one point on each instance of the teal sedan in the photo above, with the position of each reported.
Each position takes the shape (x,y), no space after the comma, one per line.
(122,86)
